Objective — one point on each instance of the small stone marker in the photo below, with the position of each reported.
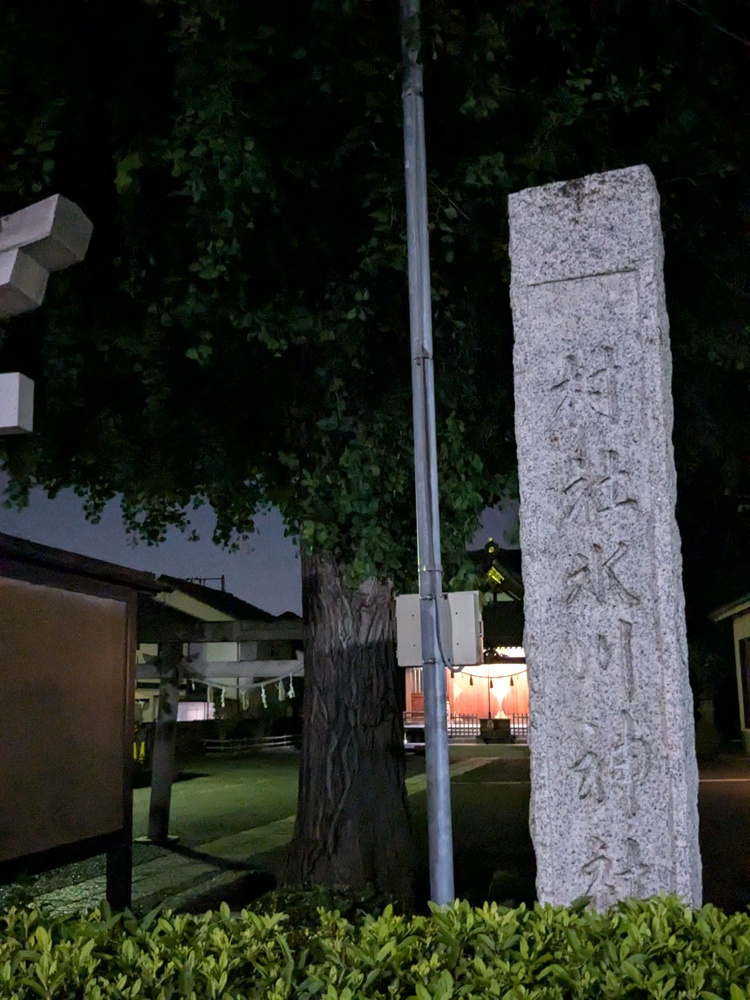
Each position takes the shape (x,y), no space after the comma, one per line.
(614,782)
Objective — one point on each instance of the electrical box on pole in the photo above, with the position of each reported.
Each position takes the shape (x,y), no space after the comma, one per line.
(461,629)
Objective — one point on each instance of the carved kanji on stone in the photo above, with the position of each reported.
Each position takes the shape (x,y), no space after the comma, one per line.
(594,483)
(596,574)
(630,761)
(598,872)
(613,762)
(589,767)
(587,386)
(633,870)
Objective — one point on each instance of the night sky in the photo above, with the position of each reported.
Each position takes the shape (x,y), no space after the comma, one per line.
(265,571)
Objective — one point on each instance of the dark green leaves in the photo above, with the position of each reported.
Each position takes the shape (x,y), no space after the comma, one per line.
(651,950)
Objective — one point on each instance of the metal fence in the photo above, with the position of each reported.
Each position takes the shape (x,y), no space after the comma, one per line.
(458,725)
(519,728)
(413,718)
(467,726)
(250,745)
(463,725)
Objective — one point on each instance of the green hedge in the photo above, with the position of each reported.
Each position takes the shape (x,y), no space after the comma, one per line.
(658,948)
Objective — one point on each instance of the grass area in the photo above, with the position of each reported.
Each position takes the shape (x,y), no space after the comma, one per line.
(227,796)
(493,854)
(490,815)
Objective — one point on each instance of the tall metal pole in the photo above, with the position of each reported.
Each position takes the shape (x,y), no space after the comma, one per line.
(439,823)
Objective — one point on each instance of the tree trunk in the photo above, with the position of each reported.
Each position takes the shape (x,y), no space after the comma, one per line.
(352,827)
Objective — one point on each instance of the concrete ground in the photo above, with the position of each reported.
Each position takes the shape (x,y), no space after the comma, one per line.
(234,819)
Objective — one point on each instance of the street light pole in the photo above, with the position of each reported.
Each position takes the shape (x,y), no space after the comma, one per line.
(439,823)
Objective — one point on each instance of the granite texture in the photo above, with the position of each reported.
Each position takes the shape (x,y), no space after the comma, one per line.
(614,777)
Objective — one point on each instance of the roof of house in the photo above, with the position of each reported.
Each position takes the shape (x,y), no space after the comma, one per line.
(158,622)
(209,603)
(731,610)
(21,550)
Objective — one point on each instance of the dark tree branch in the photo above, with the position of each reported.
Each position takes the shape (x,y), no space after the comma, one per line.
(715,24)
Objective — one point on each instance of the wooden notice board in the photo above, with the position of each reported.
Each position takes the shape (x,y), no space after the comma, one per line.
(62,716)
(67,683)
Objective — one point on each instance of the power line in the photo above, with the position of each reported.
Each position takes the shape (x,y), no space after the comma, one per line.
(715,24)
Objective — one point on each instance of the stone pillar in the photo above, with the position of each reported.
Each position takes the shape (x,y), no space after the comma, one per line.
(614,783)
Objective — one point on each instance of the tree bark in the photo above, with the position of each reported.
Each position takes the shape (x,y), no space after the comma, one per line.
(352,828)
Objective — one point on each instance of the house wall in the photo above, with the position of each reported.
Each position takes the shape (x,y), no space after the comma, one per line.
(62,716)
(414,690)
(741,628)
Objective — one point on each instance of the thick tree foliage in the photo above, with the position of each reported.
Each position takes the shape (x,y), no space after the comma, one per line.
(238,334)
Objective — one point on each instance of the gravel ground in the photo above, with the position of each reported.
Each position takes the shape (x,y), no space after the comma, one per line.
(27,887)
(210,798)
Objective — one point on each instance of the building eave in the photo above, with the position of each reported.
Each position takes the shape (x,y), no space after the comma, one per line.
(731,610)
